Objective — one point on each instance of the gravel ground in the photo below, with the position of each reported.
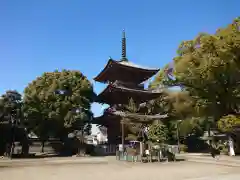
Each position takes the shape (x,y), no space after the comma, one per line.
(115,170)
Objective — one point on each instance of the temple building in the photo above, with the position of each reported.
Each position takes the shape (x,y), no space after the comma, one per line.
(125,81)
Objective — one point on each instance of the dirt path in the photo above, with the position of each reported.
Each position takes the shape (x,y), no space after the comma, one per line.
(114,170)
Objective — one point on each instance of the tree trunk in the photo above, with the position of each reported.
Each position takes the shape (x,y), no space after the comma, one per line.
(25,148)
(42,149)
(12,149)
(12,146)
(8,150)
(209,132)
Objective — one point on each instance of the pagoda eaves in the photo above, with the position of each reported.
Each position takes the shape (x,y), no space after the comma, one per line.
(113,94)
(124,71)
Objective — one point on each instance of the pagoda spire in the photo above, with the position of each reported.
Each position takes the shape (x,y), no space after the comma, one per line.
(124,56)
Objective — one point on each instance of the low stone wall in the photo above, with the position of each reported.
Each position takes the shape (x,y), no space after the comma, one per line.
(50,147)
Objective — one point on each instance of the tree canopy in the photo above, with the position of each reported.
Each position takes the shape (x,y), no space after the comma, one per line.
(157,133)
(208,67)
(228,123)
(11,106)
(58,102)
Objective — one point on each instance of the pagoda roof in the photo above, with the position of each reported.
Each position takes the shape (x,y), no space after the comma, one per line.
(124,71)
(114,94)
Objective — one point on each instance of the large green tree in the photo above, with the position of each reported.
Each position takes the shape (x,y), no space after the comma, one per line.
(11,107)
(179,106)
(208,67)
(58,103)
(10,119)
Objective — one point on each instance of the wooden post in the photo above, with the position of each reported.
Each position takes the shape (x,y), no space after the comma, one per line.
(159,153)
(122,135)
(141,150)
(123,138)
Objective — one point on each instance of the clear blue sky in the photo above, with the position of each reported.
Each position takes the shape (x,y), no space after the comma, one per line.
(44,35)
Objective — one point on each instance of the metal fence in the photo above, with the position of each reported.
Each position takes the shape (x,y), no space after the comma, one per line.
(166,153)
(105,149)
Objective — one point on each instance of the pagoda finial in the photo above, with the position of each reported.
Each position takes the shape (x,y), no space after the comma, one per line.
(124,56)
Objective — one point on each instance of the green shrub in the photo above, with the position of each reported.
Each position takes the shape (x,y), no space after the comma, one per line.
(183,148)
(227,123)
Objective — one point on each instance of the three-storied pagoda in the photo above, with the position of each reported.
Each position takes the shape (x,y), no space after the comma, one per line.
(125,81)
